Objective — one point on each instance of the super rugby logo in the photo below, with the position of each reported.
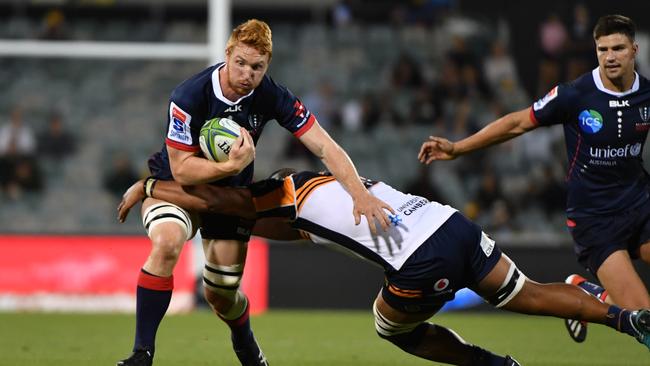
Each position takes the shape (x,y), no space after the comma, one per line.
(590,121)
(179,125)
(547,98)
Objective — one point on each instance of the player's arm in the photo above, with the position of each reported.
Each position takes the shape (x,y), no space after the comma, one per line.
(276,228)
(190,169)
(337,161)
(509,126)
(201,198)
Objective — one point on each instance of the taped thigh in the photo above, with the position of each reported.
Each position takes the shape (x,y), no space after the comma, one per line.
(223,280)
(388,328)
(510,287)
(159,213)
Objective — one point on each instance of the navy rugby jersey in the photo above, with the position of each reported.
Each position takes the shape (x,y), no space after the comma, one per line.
(605,132)
(199,99)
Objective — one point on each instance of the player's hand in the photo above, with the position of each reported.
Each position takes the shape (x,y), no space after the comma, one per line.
(243,151)
(436,148)
(374,210)
(130,198)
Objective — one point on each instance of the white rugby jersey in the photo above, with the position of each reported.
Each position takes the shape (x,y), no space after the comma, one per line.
(321,207)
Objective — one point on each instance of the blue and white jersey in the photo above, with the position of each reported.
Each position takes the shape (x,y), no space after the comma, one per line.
(321,208)
(605,132)
(200,99)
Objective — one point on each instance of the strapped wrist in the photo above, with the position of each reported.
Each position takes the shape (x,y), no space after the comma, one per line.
(149,183)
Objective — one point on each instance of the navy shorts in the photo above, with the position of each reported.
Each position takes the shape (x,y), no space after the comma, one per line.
(597,237)
(213,226)
(449,260)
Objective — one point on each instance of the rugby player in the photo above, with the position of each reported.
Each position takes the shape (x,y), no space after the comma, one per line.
(240,90)
(606,117)
(429,253)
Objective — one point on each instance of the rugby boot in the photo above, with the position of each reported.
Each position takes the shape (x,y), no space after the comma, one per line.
(641,323)
(511,362)
(577,328)
(140,357)
(250,354)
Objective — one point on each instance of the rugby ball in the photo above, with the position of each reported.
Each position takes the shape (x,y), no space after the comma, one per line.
(216,138)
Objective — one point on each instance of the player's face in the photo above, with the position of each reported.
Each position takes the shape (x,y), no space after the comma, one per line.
(246,67)
(616,55)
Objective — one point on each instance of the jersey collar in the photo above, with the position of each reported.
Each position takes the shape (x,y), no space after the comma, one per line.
(601,87)
(216,87)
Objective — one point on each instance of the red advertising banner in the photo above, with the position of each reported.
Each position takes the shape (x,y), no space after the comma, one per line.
(99,273)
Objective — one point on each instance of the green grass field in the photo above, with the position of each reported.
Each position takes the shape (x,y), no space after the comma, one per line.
(291,338)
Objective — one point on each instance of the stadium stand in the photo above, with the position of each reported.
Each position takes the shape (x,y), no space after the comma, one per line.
(120,106)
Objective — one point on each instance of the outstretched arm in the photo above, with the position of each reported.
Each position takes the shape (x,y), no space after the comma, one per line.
(504,128)
(203,198)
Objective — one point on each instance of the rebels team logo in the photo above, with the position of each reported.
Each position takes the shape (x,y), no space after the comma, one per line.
(645,113)
(590,121)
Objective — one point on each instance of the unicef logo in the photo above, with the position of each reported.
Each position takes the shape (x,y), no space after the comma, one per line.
(635,149)
(590,121)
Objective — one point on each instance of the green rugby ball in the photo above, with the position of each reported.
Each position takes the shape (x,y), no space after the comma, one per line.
(216,138)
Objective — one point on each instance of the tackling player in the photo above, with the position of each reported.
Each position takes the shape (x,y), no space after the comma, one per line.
(606,117)
(430,252)
(240,90)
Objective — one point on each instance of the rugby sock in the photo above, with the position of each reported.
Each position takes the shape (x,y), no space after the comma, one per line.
(153,296)
(594,289)
(240,327)
(621,320)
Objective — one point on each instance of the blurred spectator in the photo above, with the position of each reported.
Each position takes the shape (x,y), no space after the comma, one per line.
(322,102)
(26,178)
(581,47)
(18,169)
(56,142)
(501,75)
(54,26)
(549,192)
(553,38)
(342,14)
(16,138)
(120,176)
(406,73)
(423,186)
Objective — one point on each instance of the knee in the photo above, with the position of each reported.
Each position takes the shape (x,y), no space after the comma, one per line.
(406,336)
(167,247)
(407,341)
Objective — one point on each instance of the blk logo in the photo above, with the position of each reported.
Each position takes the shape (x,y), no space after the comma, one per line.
(233,109)
(619,103)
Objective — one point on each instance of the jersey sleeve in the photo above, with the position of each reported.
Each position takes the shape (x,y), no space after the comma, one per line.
(274,198)
(184,121)
(552,108)
(288,110)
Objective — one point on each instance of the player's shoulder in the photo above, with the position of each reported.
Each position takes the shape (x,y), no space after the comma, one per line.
(644,83)
(269,87)
(192,88)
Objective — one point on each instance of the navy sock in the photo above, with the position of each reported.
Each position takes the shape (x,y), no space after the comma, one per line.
(594,289)
(621,320)
(153,296)
(240,328)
